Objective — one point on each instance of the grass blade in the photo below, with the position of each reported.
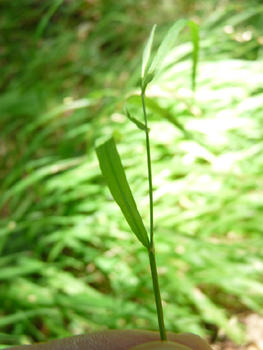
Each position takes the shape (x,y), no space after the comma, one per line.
(114,175)
(45,19)
(195,40)
(147,52)
(165,47)
(139,125)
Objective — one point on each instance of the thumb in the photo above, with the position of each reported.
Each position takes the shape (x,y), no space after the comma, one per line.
(122,340)
(161,345)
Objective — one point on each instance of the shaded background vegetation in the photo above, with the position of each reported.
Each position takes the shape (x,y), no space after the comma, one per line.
(68,262)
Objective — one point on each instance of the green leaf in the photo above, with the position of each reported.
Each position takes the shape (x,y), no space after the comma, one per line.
(137,122)
(166,46)
(147,52)
(45,19)
(114,175)
(195,40)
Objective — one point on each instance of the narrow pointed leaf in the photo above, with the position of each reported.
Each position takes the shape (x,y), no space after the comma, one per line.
(167,45)
(140,125)
(195,40)
(164,48)
(147,52)
(114,175)
(46,18)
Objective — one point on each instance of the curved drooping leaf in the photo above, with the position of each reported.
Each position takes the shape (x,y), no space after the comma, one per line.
(139,125)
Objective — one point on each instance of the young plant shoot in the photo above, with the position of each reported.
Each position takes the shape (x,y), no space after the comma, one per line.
(110,162)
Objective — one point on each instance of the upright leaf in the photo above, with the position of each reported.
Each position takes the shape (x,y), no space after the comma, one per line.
(195,40)
(166,46)
(147,52)
(114,175)
(45,19)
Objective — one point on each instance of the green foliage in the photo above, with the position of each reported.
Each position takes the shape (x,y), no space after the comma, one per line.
(149,71)
(61,269)
(139,125)
(115,177)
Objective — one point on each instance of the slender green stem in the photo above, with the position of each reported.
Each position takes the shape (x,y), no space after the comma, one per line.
(151,251)
(157,294)
(149,169)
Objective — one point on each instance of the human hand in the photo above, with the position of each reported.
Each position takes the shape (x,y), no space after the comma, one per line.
(122,340)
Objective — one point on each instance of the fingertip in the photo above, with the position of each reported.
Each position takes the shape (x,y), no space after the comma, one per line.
(190,340)
(160,345)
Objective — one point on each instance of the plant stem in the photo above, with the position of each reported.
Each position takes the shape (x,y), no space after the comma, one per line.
(149,169)
(151,251)
(157,294)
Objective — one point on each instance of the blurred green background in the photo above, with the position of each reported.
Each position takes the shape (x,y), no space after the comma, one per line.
(68,262)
